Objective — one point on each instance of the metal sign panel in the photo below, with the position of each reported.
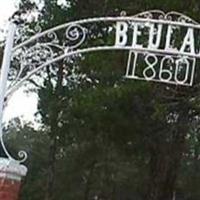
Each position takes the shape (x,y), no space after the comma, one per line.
(168,48)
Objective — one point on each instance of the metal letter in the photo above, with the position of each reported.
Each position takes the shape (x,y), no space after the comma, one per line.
(136,33)
(152,33)
(189,41)
(121,34)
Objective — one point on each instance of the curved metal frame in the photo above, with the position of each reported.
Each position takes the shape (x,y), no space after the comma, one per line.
(46,52)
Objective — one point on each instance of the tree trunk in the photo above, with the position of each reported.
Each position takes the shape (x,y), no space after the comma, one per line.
(51,170)
(54,134)
(89,181)
(165,162)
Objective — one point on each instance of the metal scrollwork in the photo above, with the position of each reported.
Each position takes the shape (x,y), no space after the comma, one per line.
(21,154)
(179,17)
(76,35)
(53,37)
(47,46)
(24,32)
(152,14)
(28,59)
(170,16)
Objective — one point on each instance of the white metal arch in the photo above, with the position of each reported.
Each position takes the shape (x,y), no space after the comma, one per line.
(45,48)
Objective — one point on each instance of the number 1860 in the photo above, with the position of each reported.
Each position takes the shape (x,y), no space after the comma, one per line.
(168,69)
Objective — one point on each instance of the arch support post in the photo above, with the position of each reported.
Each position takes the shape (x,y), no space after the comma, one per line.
(5,67)
(11,171)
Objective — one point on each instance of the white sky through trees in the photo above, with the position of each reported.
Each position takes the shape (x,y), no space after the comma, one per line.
(21,104)
(7,7)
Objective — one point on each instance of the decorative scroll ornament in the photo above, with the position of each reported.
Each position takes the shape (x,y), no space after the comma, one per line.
(21,154)
(163,47)
(170,16)
(24,32)
(41,48)
(75,35)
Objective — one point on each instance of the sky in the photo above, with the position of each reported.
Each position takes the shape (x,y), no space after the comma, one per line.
(20,105)
(7,7)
